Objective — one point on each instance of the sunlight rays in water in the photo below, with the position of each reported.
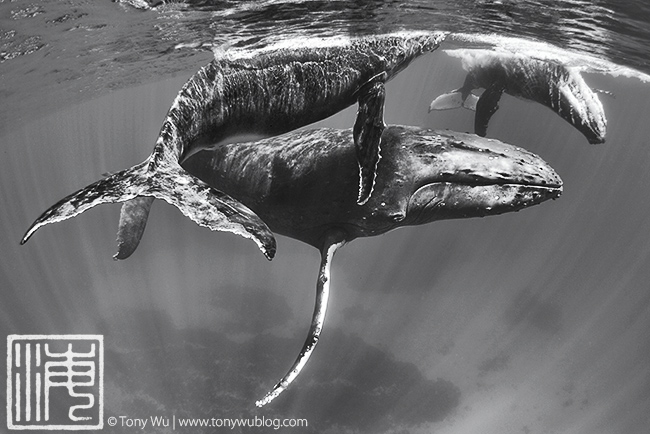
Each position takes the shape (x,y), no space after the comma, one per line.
(530,321)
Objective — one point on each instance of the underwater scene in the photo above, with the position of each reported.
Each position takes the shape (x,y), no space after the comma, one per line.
(332,216)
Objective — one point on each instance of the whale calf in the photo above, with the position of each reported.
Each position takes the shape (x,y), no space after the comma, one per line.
(425,175)
(266,92)
(556,86)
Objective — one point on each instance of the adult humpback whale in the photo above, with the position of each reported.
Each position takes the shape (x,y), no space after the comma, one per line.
(558,87)
(267,92)
(287,181)
(425,176)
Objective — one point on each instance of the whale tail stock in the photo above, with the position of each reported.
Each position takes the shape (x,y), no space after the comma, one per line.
(139,185)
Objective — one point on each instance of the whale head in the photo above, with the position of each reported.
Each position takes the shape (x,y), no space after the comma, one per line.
(455,175)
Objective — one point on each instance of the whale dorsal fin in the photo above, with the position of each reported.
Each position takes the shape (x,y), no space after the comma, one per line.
(487,105)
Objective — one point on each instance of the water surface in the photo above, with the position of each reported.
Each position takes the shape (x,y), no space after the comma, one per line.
(533,322)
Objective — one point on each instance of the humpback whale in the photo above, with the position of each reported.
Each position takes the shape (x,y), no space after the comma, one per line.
(287,181)
(558,87)
(425,175)
(267,92)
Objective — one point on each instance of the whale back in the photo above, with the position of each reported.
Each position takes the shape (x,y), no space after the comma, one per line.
(278,90)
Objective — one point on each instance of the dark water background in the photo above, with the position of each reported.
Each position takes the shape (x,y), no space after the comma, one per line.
(534,322)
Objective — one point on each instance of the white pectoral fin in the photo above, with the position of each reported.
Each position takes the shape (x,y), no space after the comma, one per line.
(454,100)
(333,240)
(447,101)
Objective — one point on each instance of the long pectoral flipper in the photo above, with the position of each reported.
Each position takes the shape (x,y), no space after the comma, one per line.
(203,204)
(486,106)
(367,132)
(333,240)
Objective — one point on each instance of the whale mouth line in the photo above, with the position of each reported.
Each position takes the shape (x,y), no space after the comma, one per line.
(441,200)
(543,188)
(486,183)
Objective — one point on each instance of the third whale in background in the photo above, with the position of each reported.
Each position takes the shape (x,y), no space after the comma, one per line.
(546,81)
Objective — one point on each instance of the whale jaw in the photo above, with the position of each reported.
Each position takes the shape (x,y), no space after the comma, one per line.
(446,200)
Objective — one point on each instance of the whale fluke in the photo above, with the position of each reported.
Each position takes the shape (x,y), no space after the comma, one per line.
(203,204)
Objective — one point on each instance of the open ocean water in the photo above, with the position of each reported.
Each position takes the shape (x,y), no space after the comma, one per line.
(530,322)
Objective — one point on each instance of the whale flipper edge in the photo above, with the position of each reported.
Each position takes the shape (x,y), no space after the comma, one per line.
(367,132)
(334,239)
(203,204)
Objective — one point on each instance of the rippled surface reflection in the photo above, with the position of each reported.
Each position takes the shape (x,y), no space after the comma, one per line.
(529,322)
